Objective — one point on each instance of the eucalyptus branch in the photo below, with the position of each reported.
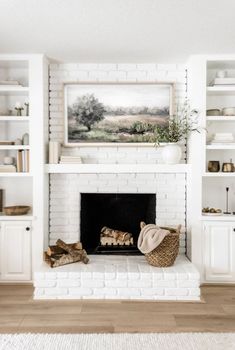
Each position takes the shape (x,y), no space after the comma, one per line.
(179,126)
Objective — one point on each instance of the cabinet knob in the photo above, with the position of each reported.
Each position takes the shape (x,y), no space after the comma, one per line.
(234,230)
(27,228)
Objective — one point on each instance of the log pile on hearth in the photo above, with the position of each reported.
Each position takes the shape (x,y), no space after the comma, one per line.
(63,254)
(110,236)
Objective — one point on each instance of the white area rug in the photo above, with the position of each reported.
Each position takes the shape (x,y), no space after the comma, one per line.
(148,341)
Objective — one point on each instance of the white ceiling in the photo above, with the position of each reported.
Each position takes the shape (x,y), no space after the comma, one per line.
(117,30)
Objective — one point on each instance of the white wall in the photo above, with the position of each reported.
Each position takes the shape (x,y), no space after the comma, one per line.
(65,189)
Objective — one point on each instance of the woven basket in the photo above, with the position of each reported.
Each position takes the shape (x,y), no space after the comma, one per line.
(165,254)
(16,210)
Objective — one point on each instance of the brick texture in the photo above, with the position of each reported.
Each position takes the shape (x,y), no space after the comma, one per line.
(65,189)
(150,283)
(65,193)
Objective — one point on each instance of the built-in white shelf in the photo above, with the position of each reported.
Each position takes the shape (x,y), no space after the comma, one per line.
(5,118)
(4,217)
(20,187)
(230,146)
(224,217)
(15,174)
(219,174)
(221,90)
(13,90)
(14,147)
(116,168)
(222,118)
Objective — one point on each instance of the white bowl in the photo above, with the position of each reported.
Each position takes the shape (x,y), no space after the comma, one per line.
(229,111)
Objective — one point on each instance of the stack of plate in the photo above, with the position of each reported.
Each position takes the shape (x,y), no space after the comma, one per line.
(222,138)
(213,112)
(224,81)
(228,111)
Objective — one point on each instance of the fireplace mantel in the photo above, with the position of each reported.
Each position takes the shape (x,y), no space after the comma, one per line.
(116,168)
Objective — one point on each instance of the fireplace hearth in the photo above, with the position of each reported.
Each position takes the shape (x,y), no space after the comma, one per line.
(119,213)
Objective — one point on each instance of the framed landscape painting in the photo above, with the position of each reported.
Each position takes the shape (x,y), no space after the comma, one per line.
(115,113)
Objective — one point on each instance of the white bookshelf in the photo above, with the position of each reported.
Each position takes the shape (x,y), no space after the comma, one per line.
(224,217)
(26,188)
(6,118)
(218,97)
(14,90)
(209,189)
(220,118)
(15,174)
(14,147)
(221,147)
(219,174)
(221,90)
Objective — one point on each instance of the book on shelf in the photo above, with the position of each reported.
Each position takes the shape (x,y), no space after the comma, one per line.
(6,143)
(1,200)
(63,162)
(222,143)
(22,162)
(54,152)
(224,81)
(70,160)
(9,83)
(7,168)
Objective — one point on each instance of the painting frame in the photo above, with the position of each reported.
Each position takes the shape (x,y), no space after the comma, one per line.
(66,85)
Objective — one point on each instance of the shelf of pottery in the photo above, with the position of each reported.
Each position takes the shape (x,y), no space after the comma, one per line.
(14,117)
(218,180)
(15,179)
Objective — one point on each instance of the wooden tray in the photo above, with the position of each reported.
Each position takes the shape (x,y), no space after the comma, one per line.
(16,210)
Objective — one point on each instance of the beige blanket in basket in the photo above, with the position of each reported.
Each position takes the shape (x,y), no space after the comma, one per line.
(150,237)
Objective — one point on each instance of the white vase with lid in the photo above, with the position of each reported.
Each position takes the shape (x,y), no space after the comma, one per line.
(171,153)
(25,139)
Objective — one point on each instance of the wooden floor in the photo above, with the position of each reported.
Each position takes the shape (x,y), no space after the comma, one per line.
(20,313)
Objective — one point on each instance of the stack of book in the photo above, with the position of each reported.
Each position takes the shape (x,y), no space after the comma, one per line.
(54,152)
(22,162)
(224,81)
(7,168)
(7,83)
(70,160)
(222,139)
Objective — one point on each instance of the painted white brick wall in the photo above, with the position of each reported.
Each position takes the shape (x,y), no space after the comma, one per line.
(65,192)
(65,73)
(131,278)
(65,189)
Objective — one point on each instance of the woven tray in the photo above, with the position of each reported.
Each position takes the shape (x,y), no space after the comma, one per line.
(16,210)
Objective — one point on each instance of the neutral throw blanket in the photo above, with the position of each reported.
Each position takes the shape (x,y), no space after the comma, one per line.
(150,237)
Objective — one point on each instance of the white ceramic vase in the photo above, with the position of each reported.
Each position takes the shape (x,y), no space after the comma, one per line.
(171,153)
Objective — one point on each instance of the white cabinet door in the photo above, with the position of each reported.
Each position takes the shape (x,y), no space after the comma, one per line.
(15,253)
(219,251)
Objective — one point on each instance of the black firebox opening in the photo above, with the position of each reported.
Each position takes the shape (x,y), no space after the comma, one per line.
(118,211)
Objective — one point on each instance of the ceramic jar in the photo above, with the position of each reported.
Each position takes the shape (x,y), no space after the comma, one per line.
(25,139)
(171,153)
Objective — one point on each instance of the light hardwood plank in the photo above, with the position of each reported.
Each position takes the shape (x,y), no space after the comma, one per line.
(215,323)
(20,313)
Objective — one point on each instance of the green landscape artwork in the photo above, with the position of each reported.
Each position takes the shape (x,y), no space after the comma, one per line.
(115,113)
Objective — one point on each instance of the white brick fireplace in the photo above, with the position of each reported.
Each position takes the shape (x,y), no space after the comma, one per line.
(116,169)
(65,190)
(119,277)
(64,214)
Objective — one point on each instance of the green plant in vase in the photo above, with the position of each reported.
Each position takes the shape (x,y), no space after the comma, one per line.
(179,127)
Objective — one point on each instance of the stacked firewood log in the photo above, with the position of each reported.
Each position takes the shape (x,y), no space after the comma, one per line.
(111,236)
(63,254)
